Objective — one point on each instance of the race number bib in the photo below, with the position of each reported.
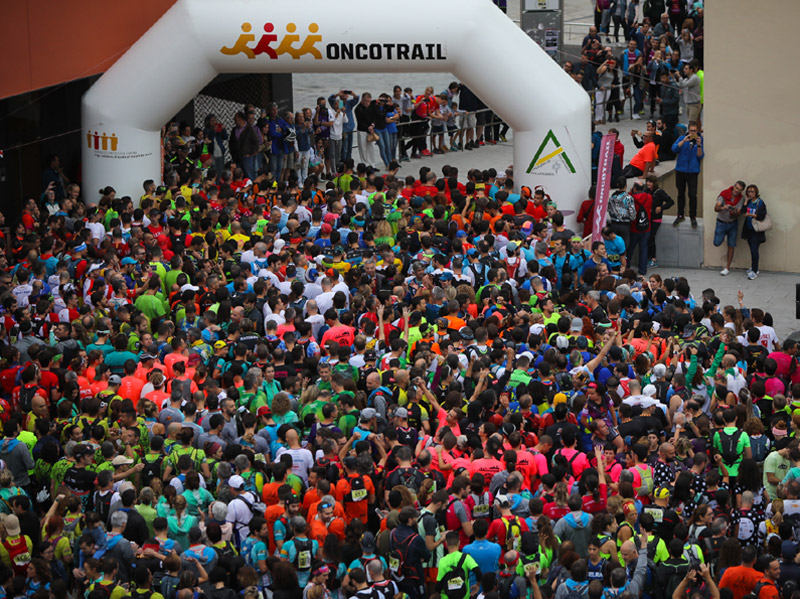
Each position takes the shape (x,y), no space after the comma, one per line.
(531,568)
(455,584)
(304,560)
(394,564)
(359,494)
(481,511)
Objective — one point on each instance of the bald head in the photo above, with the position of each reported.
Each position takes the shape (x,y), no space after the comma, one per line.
(39,406)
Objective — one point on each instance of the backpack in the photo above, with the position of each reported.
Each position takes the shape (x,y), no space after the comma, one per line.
(574,593)
(504,584)
(481,508)
(152,469)
(397,555)
(642,219)
(621,207)
(729,443)
(513,539)
(454,584)
(760,447)
(102,505)
(647,482)
(169,586)
(794,520)
(26,397)
(303,549)
(760,585)
(105,589)
(408,478)
(358,491)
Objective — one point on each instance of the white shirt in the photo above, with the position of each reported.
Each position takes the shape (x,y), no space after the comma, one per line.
(97,229)
(768,337)
(239,515)
(316,323)
(302,461)
(325,301)
(22,293)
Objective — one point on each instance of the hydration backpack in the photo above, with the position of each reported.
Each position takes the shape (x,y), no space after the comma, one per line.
(455,583)
(729,442)
(358,491)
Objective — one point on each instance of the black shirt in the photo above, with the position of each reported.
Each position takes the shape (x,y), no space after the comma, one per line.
(363,116)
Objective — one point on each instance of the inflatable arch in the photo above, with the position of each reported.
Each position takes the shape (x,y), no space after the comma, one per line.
(195,40)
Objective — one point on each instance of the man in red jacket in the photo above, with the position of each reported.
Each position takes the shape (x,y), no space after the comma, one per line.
(640,227)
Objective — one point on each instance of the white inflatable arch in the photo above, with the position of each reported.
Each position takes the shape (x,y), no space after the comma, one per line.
(123,112)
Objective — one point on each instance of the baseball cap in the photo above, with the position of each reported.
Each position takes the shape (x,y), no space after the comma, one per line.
(577,325)
(264,411)
(368,543)
(121,460)
(325,228)
(115,379)
(368,414)
(401,413)
(193,360)
(220,345)
(294,498)
(236,482)
(511,246)
(128,260)
(527,228)
(466,333)
(370,354)
(662,492)
(12,525)
(559,398)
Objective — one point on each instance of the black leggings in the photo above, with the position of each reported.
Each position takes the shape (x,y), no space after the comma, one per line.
(753,242)
(653,95)
(651,242)
(619,22)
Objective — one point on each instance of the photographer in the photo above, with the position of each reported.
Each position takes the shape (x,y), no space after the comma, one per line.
(698,584)
(689,153)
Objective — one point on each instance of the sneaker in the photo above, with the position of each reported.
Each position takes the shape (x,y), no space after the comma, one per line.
(405,159)
(415,156)
(724,272)
(454,148)
(652,264)
(503,138)
(426,152)
(749,271)
(636,116)
(481,143)
(678,221)
(437,151)
(752,275)
(469,146)
(694,223)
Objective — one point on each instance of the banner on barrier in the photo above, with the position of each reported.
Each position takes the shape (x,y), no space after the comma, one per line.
(603,189)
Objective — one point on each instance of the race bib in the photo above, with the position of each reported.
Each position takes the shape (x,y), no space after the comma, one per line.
(22,558)
(532,567)
(359,494)
(304,560)
(455,584)
(481,511)
(394,564)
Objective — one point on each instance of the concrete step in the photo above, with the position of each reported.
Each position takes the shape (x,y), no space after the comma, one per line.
(680,246)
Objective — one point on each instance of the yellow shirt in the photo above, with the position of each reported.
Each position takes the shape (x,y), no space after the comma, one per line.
(239,239)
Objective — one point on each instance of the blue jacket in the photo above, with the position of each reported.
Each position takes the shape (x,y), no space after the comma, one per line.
(348,106)
(686,160)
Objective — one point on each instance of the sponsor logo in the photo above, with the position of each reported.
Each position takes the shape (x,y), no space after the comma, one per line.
(101,141)
(271,45)
(550,157)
